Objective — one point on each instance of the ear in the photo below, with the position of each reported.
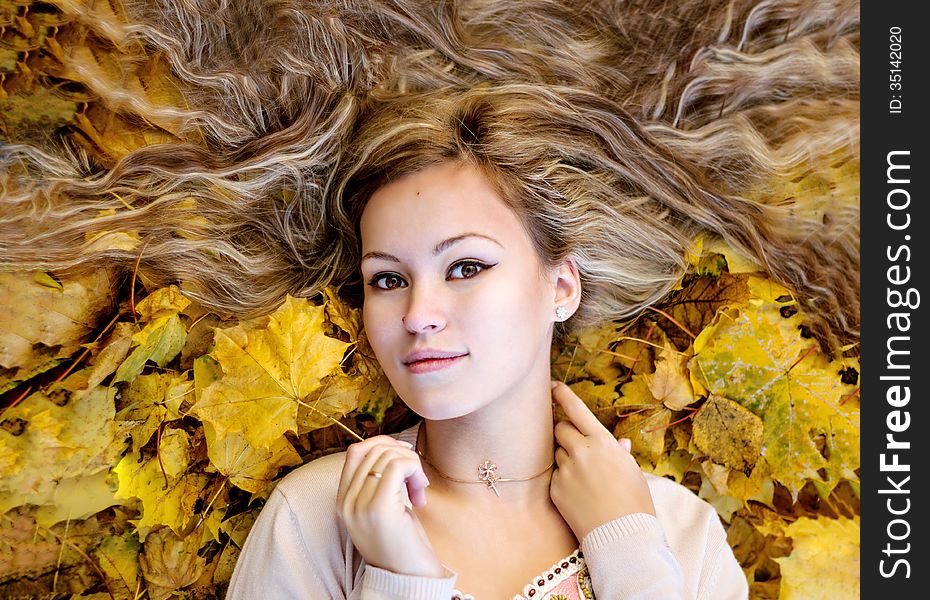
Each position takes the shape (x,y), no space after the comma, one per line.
(567,285)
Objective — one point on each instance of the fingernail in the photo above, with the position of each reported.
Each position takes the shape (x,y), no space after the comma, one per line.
(553,383)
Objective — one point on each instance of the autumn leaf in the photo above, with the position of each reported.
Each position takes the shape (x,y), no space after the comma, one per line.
(268,371)
(696,305)
(62,439)
(825,561)
(336,396)
(167,491)
(118,558)
(728,433)
(759,359)
(170,563)
(646,421)
(150,400)
(670,384)
(163,335)
(248,467)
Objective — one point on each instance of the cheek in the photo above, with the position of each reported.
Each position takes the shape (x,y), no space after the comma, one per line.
(510,308)
(374,325)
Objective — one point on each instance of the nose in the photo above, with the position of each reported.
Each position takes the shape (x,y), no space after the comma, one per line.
(425,311)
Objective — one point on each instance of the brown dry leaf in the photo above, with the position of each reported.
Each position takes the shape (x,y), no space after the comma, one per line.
(696,305)
(670,384)
(647,422)
(729,434)
(170,563)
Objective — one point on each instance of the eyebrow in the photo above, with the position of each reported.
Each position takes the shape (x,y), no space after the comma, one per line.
(440,247)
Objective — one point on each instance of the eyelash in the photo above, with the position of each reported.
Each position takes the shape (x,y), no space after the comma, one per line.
(379,276)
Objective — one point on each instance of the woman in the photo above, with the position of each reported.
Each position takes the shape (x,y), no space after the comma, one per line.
(302,153)
(467,270)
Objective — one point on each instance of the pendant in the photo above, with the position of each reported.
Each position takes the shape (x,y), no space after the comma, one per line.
(487,472)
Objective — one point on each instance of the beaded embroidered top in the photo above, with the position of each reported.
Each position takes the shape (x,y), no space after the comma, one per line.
(565,580)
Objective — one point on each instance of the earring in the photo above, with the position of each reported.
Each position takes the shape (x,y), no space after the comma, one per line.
(561,313)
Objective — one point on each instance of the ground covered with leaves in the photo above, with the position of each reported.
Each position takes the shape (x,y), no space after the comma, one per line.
(140,434)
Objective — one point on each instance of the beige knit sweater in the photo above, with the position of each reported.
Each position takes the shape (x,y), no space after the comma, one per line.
(298,548)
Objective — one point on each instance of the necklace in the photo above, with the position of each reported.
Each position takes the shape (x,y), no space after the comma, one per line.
(487,472)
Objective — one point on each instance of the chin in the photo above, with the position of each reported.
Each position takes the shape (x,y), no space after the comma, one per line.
(438,407)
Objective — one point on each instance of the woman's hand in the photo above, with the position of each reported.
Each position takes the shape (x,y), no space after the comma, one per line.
(375,511)
(597,479)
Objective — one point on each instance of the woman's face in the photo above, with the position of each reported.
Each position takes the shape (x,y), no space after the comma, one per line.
(448,267)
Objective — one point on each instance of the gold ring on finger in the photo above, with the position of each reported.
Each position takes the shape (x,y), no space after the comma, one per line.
(375,474)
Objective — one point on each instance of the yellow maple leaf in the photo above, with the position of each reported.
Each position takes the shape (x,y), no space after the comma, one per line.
(268,371)
(825,561)
(757,357)
(248,467)
(336,396)
(146,481)
(152,400)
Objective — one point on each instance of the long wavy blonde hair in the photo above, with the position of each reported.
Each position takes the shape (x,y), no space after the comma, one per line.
(616,131)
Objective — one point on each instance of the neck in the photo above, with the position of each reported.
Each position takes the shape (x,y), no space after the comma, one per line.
(515,433)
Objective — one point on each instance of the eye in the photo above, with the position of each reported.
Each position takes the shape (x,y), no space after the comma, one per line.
(390,277)
(469,268)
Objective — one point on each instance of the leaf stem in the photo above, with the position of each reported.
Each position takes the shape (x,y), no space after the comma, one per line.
(669,317)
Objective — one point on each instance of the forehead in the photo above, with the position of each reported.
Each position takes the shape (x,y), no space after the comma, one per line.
(420,209)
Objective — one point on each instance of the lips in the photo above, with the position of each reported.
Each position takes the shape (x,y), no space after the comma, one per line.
(429,354)
(427,360)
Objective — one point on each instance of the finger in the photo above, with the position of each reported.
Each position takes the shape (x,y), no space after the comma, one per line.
(354,456)
(561,456)
(374,478)
(567,435)
(576,410)
(626,443)
(360,476)
(401,469)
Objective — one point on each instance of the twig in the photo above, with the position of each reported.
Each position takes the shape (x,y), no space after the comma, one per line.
(86,557)
(684,418)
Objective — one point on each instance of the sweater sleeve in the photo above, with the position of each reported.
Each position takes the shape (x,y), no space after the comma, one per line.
(629,558)
(298,549)
(275,562)
(380,584)
(682,552)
